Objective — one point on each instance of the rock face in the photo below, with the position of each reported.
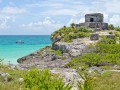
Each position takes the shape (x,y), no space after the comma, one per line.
(94,37)
(31,56)
(74,48)
(110,36)
(56,39)
(69,76)
(46,59)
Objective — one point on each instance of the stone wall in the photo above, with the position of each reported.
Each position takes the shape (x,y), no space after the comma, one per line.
(96,17)
(105,26)
(94,20)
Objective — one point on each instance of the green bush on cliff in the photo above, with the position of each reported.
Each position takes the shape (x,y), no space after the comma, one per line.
(108,40)
(70,33)
(104,54)
(43,80)
(57,52)
(111,27)
(117,28)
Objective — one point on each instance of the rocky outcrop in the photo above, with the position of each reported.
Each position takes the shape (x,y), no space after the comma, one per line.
(46,57)
(70,76)
(56,39)
(30,56)
(43,59)
(74,48)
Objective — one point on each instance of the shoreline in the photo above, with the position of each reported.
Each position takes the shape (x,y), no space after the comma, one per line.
(13,61)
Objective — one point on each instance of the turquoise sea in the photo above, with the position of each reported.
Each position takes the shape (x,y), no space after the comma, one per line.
(10,51)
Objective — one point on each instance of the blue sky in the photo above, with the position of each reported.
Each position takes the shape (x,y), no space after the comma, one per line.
(42,17)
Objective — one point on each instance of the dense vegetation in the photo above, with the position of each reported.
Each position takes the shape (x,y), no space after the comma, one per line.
(43,80)
(107,52)
(107,81)
(112,27)
(67,34)
(35,79)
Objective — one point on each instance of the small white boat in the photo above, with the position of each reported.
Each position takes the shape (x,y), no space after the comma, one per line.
(19,42)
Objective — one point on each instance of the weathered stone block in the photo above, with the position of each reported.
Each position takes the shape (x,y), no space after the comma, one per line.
(94,37)
(110,36)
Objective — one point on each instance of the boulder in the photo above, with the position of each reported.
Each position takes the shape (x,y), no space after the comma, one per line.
(56,38)
(4,74)
(94,36)
(94,68)
(8,79)
(110,36)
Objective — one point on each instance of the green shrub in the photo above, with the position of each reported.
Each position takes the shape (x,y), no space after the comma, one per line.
(108,48)
(105,54)
(106,40)
(116,34)
(70,33)
(111,27)
(57,52)
(110,32)
(117,28)
(84,29)
(87,84)
(43,80)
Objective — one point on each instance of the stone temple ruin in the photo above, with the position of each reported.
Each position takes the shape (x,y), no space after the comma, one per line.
(94,21)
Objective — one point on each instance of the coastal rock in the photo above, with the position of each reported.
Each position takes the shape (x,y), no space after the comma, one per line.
(68,75)
(4,74)
(62,46)
(66,55)
(94,36)
(56,39)
(74,48)
(8,79)
(50,57)
(94,68)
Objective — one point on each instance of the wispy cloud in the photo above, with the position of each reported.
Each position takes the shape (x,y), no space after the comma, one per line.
(5,21)
(34,15)
(12,10)
(60,12)
(115,20)
(46,26)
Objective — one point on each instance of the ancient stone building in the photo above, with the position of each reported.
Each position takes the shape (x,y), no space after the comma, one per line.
(95,21)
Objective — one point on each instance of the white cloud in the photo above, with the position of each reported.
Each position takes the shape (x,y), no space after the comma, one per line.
(5,21)
(55,12)
(45,4)
(47,26)
(115,20)
(46,22)
(81,20)
(112,6)
(12,10)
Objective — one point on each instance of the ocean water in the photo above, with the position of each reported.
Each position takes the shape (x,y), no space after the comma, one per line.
(10,51)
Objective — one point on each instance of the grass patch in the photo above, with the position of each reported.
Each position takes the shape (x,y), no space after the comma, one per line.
(67,34)
(107,81)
